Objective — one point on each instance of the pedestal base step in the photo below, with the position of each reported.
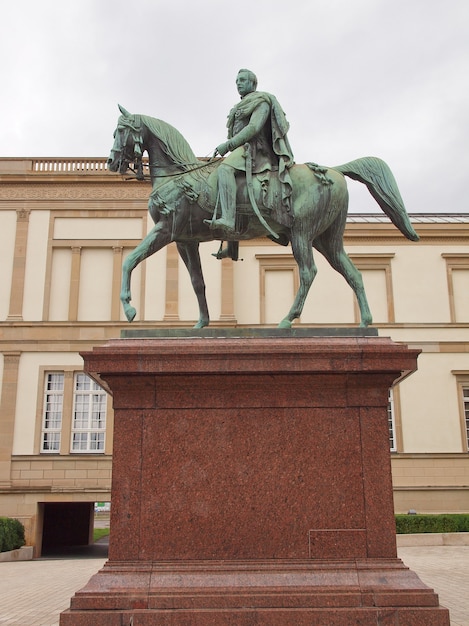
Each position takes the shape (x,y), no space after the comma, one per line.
(367,592)
(261,617)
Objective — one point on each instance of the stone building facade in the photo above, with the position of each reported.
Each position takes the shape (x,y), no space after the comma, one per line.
(66,226)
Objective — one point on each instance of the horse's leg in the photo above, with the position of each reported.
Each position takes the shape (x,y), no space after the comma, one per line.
(303,253)
(157,238)
(189,253)
(332,247)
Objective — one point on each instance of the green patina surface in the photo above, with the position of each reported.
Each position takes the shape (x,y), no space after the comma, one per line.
(251,333)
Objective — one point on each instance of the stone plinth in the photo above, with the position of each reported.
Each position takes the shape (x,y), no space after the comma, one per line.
(252,485)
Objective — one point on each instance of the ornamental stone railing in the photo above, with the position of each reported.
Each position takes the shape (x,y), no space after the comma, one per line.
(69,165)
(53,165)
(56,165)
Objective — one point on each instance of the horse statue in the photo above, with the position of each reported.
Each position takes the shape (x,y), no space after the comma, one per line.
(183,200)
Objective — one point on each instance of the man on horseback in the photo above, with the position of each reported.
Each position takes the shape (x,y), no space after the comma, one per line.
(319,205)
(257,141)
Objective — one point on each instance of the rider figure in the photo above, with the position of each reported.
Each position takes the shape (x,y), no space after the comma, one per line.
(257,120)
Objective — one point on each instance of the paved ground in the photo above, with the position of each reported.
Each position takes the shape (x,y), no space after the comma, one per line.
(33,593)
(446,570)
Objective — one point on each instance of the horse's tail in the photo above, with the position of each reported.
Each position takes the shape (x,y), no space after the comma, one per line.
(379,179)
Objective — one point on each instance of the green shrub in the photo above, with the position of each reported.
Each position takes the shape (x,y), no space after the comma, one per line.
(448,523)
(11,534)
(462,522)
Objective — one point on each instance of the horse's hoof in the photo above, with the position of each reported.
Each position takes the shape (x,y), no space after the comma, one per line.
(285,324)
(201,324)
(130,313)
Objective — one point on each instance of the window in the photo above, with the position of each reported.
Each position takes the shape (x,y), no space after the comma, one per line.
(279,282)
(377,278)
(462,381)
(465,392)
(391,423)
(279,278)
(53,409)
(74,410)
(89,415)
(457,270)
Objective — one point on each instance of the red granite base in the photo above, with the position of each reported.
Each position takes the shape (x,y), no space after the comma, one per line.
(252,485)
(375,592)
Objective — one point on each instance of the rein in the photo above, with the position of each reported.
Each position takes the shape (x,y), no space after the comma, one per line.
(135,130)
(139,175)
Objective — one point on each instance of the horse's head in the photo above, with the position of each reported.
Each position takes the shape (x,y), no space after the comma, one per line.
(128,142)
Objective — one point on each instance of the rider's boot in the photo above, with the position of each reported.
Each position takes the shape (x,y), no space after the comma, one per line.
(230,251)
(222,253)
(227,197)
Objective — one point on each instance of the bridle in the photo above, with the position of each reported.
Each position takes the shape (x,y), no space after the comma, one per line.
(131,128)
(132,157)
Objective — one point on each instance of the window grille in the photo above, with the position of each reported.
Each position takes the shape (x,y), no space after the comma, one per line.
(89,415)
(84,414)
(53,412)
(391,423)
(465,392)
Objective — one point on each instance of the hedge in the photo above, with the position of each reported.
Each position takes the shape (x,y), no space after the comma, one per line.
(11,534)
(448,523)
(12,531)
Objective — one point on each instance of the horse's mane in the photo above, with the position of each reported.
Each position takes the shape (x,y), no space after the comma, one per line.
(173,143)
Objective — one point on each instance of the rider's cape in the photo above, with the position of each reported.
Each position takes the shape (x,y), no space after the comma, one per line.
(279,126)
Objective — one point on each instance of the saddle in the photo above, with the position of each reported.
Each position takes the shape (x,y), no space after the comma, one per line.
(258,196)
(259,193)
(267,192)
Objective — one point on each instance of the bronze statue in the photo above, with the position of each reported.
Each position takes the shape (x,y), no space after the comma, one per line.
(257,142)
(304,205)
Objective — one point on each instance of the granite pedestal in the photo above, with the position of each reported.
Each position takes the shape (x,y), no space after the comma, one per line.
(252,486)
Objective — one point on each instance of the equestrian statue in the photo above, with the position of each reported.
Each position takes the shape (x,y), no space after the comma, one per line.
(255,191)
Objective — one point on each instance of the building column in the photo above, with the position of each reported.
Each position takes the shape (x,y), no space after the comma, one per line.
(227,291)
(11,362)
(19,265)
(171,312)
(74,284)
(116,283)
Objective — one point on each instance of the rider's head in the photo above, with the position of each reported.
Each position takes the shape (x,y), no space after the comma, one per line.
(246,81)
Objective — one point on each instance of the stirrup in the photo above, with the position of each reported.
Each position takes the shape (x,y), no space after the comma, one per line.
(222,253)
(231,251)
(216,226)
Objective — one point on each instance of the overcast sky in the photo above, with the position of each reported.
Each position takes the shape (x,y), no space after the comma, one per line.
(388,78)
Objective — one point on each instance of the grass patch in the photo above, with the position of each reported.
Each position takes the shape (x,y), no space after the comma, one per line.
(98,533)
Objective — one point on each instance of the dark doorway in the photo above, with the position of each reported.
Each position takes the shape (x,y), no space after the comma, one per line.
(66,524)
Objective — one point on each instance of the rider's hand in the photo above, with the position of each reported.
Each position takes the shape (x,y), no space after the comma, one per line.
(223,148)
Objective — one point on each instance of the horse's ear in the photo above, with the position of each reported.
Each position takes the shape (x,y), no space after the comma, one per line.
(124,111)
